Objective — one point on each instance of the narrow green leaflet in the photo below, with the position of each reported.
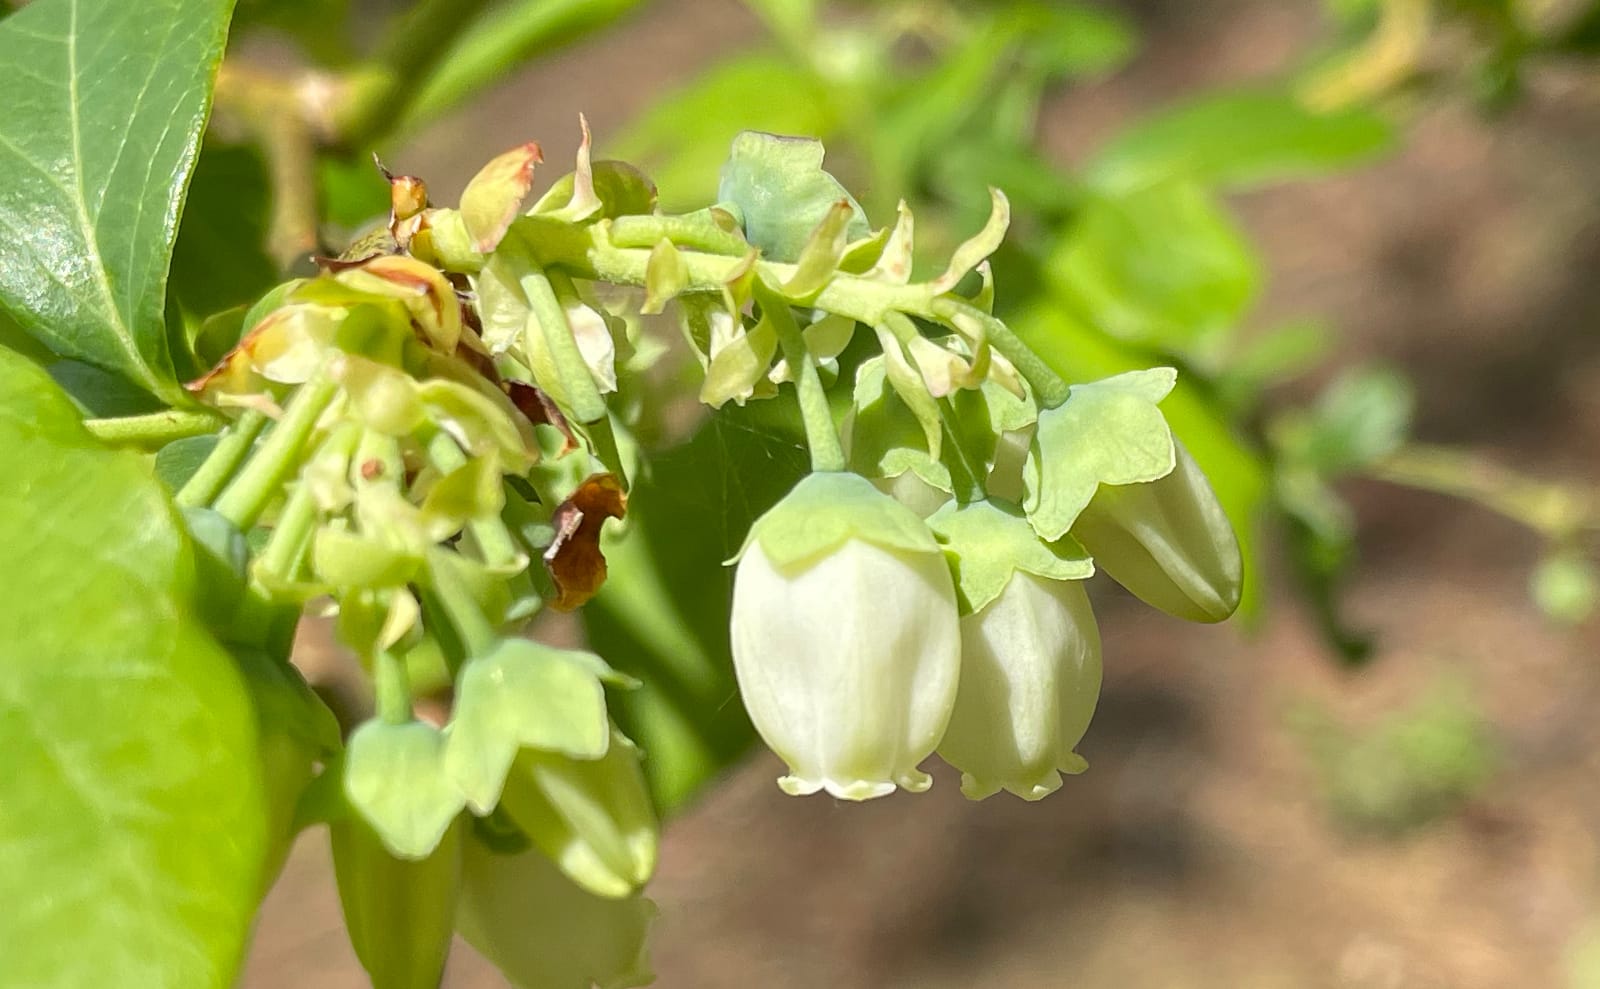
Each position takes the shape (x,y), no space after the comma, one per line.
(99,131)
(131,833)
(1240,139)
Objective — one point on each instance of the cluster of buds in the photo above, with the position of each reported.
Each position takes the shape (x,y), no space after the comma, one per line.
(451,430)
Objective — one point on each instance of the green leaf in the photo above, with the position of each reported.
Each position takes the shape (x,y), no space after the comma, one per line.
(1240,139)
(681,140)
(663,612)
(780,187)
(132,833)
(177,461)
(1162,265)
(219,260)
(97,147)
(1363,416)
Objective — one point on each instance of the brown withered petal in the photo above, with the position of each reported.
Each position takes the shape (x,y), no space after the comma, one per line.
(574,560)
(494,196)
(532,402)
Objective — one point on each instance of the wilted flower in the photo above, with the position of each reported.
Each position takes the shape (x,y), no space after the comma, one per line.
(845,638)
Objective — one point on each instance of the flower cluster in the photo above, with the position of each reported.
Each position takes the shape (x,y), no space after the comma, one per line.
(451,406)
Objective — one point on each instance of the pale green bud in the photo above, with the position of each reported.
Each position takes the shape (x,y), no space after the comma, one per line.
(845,638)
(544,932)
(1030,678)
(399,914)
(1168,541)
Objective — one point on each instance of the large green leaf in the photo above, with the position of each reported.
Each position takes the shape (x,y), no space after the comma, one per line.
(1161,265)
(99,131)
(132,828)
(1240,139)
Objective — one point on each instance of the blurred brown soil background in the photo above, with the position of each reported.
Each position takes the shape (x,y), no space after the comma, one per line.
(1200,850)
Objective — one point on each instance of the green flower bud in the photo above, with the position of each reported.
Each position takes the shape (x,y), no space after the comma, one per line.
(592,817)
(400,914)
(844,638)
(1168,541)
(542,931)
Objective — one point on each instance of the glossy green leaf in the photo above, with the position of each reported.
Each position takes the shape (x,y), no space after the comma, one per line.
(781,189)
(1240,139)
(132,831)
(97,141)
(1161,265)
(219,260)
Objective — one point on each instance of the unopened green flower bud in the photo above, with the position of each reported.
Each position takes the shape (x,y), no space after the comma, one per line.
(400,914)
(1168,541)
(845,639)
(592,817)
(544,932)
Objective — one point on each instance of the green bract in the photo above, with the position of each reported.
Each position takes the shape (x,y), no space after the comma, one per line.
(410,820)
(783,194)
(825,510)
(1107,432)
(988,541)
(522,695)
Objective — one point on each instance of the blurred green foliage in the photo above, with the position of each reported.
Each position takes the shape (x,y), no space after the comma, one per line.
(1411,767)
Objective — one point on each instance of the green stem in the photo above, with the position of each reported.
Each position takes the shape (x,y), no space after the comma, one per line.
(287,547)
(696,231)
(587,252)
(281,452)
(392,687)
(403,62)
(224,459)
(154,428)
(822,436)
(1557,512)
(455,597)
(1049,388)
(494,539)
(576,380)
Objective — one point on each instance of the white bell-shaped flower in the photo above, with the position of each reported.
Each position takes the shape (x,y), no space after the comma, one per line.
(1030,678)
(1030,652)
(845,638)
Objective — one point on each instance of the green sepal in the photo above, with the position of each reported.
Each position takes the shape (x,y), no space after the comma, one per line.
(1107,432)
(400,914)
(394,777)
(973,251)
(522,695)
(987,541)
(620,188)
(783,193)
(593,817)
(827,509)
